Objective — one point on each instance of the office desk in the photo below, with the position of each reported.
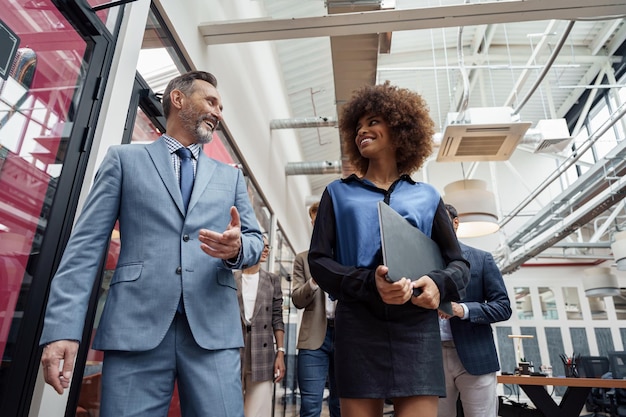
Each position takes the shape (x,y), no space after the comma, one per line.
(573,399)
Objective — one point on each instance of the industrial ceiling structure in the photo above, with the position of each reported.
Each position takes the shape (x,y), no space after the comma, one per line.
(510,85)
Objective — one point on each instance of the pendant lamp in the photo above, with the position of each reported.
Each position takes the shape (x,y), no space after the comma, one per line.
(475,205)
(600,282)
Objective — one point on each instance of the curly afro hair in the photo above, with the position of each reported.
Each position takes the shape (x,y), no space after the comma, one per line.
(406,113)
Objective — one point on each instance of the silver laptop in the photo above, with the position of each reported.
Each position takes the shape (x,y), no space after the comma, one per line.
(407,252)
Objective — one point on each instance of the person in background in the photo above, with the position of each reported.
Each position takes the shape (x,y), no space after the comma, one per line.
(261,304)
(469,352)
(315,339)
(185,222)
(387,343)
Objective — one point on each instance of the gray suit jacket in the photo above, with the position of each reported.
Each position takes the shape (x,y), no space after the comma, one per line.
(267,317)
(160,253)
(313,324)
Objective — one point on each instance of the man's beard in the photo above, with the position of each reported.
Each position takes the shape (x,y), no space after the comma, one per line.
(197,125)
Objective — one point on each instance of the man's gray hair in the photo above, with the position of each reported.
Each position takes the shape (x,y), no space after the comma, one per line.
(184,83)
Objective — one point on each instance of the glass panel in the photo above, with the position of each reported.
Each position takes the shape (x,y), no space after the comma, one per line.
(284,392)
(104,13)
(530,346)
(620,307)
(572,303)
(580,344)
(604,338)
(548,305)
(597,307)
(144,130)
(37,103)
(608,140)
(159,60)
(523,303)
(588,156)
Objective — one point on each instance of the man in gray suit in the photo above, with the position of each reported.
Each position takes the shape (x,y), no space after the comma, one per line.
(316,338)
(172,309)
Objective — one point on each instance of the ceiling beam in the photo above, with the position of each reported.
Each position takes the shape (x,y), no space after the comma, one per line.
(394,20)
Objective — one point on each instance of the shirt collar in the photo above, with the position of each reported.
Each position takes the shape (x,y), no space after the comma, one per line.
(173,145)
(354,177)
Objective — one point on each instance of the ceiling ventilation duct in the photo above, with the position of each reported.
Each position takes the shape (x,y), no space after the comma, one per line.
(549,136)
(303,122)
(313,168)
(482,134)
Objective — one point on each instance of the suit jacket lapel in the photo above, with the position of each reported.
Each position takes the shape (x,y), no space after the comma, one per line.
(262,289)
(161,158)
(204,171)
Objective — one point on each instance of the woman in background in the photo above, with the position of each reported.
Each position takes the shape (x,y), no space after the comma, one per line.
(261,304)
(387,340)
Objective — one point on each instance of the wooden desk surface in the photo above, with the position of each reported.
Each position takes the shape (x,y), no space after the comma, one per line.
(562,381)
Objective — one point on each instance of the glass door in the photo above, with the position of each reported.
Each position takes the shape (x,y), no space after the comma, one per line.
(43,138)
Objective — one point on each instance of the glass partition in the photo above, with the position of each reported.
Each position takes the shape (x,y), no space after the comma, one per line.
(572,303)
(284,393)
(620,307)
(548,304)
(597,306)
(523,303)
(38,107)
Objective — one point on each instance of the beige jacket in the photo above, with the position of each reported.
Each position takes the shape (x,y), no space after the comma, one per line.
(313,325)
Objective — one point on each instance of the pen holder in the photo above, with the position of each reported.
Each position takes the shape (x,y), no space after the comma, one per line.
(570,370)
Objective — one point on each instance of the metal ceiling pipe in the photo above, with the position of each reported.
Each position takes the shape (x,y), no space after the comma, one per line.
(546,68)
(303,122)
(464,75)
(313,168)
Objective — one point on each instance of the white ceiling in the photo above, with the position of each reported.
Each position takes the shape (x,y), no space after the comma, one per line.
(504,49)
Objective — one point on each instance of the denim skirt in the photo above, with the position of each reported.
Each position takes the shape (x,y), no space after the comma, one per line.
(387,351)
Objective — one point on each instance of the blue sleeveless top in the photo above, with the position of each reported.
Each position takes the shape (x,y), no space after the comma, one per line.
(355,203)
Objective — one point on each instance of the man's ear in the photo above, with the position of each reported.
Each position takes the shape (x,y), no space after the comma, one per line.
(177,97)
(455,223)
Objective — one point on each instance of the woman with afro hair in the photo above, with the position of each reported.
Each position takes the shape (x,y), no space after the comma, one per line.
(387,342)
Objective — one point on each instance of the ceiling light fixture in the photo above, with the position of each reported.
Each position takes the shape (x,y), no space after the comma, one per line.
(475,205)
(600,282)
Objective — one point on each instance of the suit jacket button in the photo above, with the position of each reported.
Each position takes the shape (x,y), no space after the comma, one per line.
(264,344)
(179,270)
(186,238)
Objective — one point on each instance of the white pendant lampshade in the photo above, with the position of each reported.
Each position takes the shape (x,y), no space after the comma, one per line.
(600,282)
(619,250)
(475,205)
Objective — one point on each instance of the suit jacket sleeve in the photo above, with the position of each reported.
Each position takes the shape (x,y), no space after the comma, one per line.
(303,294)
(277,304)
(73,282)
(496,306)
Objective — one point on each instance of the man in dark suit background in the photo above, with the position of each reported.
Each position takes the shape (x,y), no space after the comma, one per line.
(315,339)
(261,304)
(171,314)
(469,352)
